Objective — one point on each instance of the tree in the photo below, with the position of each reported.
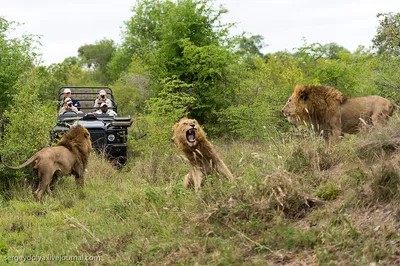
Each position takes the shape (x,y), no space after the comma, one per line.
(16,55)
(250,45)
(96,57)
(160,113)
(185,39)
(29,120)
(387,38)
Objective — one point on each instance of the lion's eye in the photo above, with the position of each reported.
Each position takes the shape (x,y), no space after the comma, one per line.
(290,100)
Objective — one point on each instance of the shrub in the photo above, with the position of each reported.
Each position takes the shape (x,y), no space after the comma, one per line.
(29,122)
(162,112)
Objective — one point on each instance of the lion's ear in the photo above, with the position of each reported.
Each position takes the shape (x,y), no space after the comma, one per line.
(175,126)
(303,95)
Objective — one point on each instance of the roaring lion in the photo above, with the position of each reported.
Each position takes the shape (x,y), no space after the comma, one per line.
(203,159)
(318,107)
(70,156)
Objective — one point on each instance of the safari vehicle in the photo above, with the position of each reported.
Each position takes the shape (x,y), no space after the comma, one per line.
(108,133)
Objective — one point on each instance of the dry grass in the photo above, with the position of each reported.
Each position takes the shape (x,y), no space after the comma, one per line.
(293,203)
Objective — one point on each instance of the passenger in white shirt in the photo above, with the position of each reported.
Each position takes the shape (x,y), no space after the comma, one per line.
(104,110)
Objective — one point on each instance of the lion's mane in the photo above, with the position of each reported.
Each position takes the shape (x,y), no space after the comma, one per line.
(318,106)
(77,141)
(191,139)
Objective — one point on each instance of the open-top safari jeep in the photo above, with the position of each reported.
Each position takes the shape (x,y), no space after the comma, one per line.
(108,133)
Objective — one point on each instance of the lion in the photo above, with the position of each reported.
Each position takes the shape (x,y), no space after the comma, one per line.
(359,112)
(202,156)
(318,107)
(355,113)
(70,156)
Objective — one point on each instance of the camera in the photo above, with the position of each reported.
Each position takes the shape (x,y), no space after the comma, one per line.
(103,96)
(70,104)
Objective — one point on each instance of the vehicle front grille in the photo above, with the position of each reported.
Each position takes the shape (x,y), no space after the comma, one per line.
(98,139)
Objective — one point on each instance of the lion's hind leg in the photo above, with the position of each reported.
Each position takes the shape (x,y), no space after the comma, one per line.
(379,120)
(224,170)
(188,181)
(45,178)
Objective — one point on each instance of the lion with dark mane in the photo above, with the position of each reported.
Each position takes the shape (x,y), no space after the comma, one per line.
(327,110)
(70,156)
(318,107)
(202,156)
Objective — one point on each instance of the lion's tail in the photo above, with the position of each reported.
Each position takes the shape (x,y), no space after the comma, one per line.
(25,164)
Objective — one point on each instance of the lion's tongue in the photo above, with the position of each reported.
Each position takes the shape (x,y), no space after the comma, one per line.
(191,137)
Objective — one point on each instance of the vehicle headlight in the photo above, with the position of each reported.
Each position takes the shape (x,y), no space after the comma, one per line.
(111,137)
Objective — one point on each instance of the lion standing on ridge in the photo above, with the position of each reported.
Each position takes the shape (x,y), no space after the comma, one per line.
(363,111)
(317,106)
(203,159)
(326,109)
(70,156)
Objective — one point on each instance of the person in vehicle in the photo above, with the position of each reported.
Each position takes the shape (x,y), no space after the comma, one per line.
(68,106)
(67,94)
(104,110)
(102,98)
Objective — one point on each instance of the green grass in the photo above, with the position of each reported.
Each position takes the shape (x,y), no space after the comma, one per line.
(293,203)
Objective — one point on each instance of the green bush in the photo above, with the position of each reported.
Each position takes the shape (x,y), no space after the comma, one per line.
(28,122)
(161,113)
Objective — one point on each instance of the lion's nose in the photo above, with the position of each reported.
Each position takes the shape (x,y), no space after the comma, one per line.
(192,125)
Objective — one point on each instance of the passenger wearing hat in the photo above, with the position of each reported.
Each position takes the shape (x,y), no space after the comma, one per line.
(68,106)
(102,98)
(104,110)
(67,94)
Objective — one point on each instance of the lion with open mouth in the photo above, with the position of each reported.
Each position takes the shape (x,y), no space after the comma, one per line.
(202,156)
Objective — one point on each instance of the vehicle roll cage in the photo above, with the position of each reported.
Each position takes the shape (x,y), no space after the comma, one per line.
(86,95)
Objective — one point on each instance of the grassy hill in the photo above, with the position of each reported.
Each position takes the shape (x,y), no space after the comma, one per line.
(292,204)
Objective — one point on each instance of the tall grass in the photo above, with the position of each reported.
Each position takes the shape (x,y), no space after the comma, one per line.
(291,203)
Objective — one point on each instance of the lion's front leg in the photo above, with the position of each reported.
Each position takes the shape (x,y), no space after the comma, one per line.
(188,181)
(223,169)
(193,178)
(79,180)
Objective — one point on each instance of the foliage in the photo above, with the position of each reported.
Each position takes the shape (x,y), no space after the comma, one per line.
(184,39)
(29,121)
(132,89)
(161,113)
(16,55)
(96,57)
(387,78)
(251,45)
(387,38)
(260,95)
(207,68)
(68,73)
